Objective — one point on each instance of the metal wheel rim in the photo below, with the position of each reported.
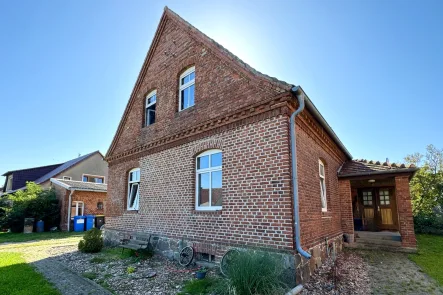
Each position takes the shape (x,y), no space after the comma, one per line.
(229,255)
(186,256)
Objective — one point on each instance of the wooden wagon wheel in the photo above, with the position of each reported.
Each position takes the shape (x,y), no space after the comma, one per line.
(186,256)
(227,259)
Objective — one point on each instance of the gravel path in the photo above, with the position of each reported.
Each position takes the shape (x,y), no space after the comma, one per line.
(66,281)
(371,272)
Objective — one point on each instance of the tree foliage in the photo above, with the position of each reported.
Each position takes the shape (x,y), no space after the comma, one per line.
(427,184)
(33,202)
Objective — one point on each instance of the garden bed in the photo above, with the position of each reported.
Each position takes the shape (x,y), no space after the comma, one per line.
(126,274)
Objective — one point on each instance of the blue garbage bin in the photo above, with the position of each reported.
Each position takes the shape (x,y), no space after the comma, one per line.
(90,219)
(40,226)
(79,223)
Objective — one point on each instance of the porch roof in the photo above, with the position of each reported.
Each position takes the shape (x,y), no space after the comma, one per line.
(364,167)
(80,185)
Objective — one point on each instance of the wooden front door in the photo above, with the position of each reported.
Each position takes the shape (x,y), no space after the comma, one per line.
(367,197)
(379,209)
(386,216)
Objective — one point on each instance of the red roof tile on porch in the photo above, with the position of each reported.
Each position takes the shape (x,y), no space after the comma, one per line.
(364,167)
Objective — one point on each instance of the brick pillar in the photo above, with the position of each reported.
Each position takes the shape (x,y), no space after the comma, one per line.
(404,209)
(347,220)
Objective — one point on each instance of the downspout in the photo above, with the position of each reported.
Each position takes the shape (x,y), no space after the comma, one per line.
(298,92)
(69,208)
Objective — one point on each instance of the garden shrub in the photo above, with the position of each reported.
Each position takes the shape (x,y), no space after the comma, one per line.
(33,202)
(257,273)
(429,223)
(92,241)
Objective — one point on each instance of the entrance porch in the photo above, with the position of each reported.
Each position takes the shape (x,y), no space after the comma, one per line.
(376,206)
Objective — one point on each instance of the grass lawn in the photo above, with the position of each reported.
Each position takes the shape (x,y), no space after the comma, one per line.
(19,278)
(20,237)
(430,256)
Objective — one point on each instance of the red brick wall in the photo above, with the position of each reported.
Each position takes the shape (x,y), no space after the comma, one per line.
(257,208)
(90,199)
(404,208)
(315,224)
(345,193)
(218,89)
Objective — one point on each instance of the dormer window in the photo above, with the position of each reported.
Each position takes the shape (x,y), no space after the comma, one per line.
(186,94)
(151,100)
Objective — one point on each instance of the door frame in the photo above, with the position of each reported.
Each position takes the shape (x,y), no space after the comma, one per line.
(377,222)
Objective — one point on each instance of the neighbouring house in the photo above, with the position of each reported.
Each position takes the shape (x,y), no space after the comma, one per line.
(85,176)
(78,198)
(206,155)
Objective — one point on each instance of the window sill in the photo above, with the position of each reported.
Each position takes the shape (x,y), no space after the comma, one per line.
(131,211)
(207,212)
(326,214)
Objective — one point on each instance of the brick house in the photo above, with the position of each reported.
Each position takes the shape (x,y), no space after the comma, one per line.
(202,157)
(84,176)
(79,198)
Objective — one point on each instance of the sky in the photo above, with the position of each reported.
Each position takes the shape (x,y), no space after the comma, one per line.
(373,68)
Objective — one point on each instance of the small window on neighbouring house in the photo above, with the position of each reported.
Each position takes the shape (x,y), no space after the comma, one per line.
(186,89)
(67,178)
(100,205)
(209,181)
(133,189)
(321,169)
(151,100)
(367,198)
(384,197)
(93,178)
(77,208)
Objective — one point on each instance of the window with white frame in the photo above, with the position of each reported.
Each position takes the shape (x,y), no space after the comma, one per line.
(93,178)
(77,208)
(134,189)
(186,92)
(321,171)
(151,100)
(209,180)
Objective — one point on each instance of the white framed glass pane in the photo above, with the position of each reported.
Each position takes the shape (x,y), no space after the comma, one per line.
(191,96)
(203,189)
(216,188)
(85,179)
(216,160)
(322,170)
(203,162)
(133,194)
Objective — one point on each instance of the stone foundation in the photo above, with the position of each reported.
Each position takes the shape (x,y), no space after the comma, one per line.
(306,267)
(298,269)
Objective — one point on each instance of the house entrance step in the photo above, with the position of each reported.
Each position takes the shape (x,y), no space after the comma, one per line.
(378,242)
(390,236)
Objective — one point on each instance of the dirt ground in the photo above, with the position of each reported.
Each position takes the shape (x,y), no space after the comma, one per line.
(371,272)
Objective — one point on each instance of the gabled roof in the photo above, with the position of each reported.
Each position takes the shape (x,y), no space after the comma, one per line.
(21,176)
(64,167)
(46,172)
(80,185)
(368,168)
(263,81)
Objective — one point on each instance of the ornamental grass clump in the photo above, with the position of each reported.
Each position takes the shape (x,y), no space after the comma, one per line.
(256,273)
(92,241)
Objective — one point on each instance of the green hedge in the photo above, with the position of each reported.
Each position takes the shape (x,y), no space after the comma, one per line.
(429,223)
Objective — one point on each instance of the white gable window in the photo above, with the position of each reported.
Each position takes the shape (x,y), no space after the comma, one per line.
(151,100)
(321,170)
(186,93)
(134,189)
(209,181)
